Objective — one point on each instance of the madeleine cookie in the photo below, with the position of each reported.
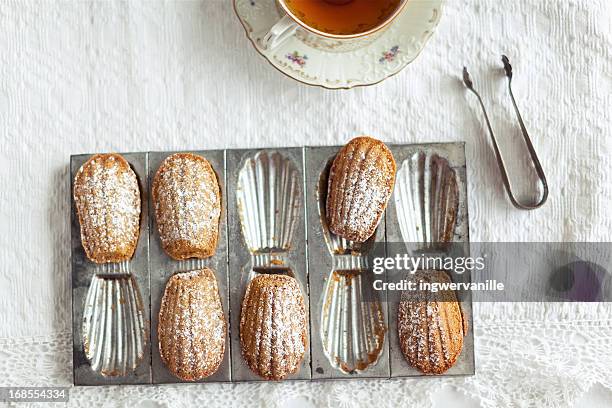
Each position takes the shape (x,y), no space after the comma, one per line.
(192,327)
(361,180)
(107,200)
(187,202)
(431,326)
(273,326)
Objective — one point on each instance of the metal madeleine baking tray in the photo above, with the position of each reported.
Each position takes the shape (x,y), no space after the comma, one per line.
(272,217)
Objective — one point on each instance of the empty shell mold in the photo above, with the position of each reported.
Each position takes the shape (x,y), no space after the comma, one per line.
(269,201)
(353,326)
(426,198)
(114,329)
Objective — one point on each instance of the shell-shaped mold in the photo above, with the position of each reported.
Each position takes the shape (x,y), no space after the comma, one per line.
(192,328)
(187,202)
(353,325)
(107,200)
(268,197)
(114,328)
(361,181)
(273,326)
(427,199)
(431,326)
(336,244)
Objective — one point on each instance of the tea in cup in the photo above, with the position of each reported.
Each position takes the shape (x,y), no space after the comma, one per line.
(351,22)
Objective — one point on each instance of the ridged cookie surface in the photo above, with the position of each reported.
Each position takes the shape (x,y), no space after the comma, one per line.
(187,202)
(273,326)
(107,200)
(360,183)
(431,326)
(192,327)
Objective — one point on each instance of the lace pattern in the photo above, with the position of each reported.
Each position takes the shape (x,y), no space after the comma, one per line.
(543,355)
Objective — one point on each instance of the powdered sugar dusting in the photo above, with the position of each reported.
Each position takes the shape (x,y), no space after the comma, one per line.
(187,203)
(192,327)
(430,329)
(360,183)
(273,326)
(107,199)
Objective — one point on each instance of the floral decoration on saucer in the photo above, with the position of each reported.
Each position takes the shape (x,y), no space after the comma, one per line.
(308,61)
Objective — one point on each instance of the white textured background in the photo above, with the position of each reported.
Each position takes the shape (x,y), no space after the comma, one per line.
(79,77)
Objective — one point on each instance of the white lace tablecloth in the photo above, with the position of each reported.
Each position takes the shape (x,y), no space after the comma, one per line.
(80,77)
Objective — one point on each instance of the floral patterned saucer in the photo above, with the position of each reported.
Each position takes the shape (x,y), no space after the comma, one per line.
(314,64)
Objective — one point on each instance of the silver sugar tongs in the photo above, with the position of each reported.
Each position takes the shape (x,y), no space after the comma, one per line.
(500,161)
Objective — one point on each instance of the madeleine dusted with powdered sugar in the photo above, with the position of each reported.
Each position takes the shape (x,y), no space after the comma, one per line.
(187,201)
(431,325)
(192,327)
(273,326)
(107,200)
(361,180)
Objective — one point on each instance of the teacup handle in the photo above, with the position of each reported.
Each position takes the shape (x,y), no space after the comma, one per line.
(279,33)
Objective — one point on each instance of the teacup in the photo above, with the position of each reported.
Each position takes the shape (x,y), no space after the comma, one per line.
(333,25)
